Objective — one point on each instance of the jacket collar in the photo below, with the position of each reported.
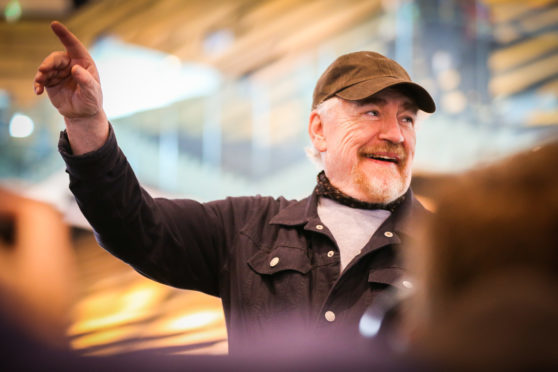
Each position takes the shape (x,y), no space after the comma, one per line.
(305,211)
(298,213)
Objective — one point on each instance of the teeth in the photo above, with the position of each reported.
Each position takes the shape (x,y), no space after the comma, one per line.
(379,157)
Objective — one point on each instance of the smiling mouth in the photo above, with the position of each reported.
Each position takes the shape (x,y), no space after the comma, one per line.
(383,158)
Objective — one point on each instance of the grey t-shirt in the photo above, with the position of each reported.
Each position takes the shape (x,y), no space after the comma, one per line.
(352,228)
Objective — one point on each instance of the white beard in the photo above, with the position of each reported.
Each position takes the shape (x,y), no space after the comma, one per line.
(381,190)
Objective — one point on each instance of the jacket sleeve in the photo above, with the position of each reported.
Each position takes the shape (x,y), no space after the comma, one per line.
(179,242)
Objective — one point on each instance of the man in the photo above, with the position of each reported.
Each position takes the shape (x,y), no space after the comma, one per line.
(318,262)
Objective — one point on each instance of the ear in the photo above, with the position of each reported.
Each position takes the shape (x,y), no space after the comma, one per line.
(316,131)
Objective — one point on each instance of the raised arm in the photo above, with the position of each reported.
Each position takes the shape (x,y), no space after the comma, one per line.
(72,83)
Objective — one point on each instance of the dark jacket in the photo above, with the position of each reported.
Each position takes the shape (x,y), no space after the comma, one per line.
(271,261)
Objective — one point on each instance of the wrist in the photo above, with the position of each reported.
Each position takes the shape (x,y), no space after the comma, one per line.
(87,134)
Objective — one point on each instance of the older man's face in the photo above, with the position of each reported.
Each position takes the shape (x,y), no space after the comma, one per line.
(367,146)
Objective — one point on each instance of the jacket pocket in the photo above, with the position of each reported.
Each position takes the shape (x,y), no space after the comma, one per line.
(280,259)
(280,285)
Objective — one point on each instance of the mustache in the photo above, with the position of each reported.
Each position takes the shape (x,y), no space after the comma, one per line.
(391,148)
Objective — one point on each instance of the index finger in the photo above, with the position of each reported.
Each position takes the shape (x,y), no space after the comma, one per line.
(73,46)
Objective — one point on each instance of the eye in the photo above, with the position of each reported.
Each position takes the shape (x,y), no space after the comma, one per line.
(374,113)
(410,120)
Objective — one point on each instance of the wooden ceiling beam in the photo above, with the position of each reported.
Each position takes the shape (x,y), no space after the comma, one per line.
(520,53)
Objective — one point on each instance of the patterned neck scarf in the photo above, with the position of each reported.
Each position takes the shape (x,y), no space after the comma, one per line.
(326,189)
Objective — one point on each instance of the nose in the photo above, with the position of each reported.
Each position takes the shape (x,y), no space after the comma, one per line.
(391,131)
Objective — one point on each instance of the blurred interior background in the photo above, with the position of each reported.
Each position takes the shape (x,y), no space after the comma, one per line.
(210,99)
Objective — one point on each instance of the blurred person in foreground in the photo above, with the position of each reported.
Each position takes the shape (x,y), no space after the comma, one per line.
(34,245)
(486,272)
(317,263)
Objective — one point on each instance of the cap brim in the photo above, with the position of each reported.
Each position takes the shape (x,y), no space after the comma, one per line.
(368,88)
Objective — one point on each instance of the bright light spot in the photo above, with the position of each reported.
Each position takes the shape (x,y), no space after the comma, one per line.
(369,325)
(21,125)
(191,321)
(449,79)
(173,61)
(12,11)
(441,60)
(454,102)
(116,308)
(140,298)
(407,284)
(136,79)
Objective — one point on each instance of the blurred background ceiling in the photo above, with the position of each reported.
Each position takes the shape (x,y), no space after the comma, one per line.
(219,91)
(236,37)
(211,98)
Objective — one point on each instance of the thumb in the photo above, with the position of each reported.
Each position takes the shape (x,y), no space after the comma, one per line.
(82,76)
(90,90)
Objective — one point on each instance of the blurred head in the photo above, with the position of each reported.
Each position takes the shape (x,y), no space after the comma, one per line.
(363,125)
(497,220)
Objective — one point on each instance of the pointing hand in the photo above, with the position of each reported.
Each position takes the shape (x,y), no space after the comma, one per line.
(70,78)
(72,83)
